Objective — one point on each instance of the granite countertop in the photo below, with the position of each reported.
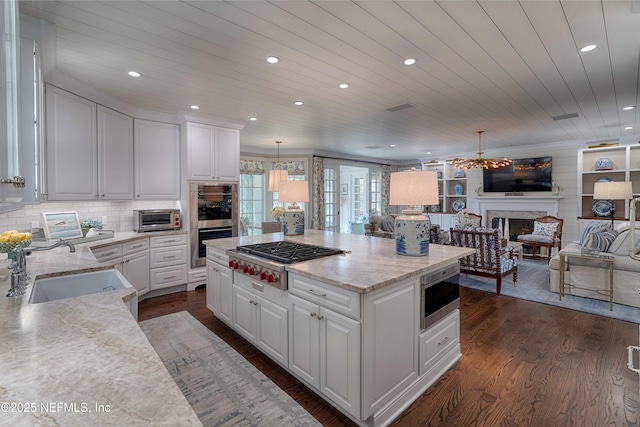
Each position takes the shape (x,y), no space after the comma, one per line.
(368,264)
(82,361)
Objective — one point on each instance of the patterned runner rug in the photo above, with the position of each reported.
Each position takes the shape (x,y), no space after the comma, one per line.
(223,388)
(533,285)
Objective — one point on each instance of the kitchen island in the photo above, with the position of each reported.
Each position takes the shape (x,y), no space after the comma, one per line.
(349,325)
(82,361)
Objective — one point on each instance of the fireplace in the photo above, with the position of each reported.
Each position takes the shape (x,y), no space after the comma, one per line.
(516,226)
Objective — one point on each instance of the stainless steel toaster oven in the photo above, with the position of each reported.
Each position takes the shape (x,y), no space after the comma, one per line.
(156,220)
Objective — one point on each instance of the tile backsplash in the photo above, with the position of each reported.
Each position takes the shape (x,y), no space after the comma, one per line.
(119,213)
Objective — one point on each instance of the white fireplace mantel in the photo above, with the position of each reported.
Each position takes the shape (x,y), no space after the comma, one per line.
(548,204)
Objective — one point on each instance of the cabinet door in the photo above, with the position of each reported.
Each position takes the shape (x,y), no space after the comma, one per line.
(157,160)
(200,151)
(340,360)
(227,155)
(213,287)
(304,340)
(115,155)
(135,268)
(225,300)
(272,333)
(244,321)
(71,146)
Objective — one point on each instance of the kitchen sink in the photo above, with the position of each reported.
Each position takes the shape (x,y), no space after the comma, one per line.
(75,285)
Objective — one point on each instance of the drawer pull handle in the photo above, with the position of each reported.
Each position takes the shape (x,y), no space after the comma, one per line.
(137,246)
(314,292)
(108,253)
(169,277)
(630,360)
(169,241)
(444,341)
(168,257)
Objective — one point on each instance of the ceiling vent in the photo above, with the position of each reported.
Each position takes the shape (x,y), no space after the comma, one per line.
(565,116)
(399,107)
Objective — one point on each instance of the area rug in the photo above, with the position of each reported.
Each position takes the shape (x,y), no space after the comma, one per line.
(533,285)
(221,386)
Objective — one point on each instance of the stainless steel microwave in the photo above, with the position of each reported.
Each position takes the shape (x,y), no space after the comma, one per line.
(156,220)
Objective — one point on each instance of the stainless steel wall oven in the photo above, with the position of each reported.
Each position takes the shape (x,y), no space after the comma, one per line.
(214,215)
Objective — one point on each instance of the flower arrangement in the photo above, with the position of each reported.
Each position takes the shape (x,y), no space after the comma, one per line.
(91,223)
(276,212)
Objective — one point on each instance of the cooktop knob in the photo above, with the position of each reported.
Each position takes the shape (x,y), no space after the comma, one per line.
(245,269)
(236,265)
(270,278)
(263,276)
(252,271)
(231,263)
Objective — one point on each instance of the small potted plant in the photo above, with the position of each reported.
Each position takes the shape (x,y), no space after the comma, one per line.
(276,213)
(90,223)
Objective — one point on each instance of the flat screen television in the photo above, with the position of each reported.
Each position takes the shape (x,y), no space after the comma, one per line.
(532,174)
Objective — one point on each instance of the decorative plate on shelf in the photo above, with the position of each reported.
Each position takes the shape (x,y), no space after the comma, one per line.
(435,208)
(602,208)
(457,205)
(603,179)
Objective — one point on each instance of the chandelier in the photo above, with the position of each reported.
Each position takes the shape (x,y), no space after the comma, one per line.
(480,161)
(278,174)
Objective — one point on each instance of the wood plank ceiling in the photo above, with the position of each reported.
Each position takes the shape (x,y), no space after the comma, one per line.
(505,67)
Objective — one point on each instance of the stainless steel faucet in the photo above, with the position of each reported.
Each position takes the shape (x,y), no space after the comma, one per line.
(18,266)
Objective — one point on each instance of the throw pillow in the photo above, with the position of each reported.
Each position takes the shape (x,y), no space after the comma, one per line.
(594,227)
(545,229)
(600,241)
(388,223)
(622,244)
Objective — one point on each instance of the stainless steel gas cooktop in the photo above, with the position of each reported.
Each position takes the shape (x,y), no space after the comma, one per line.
(288,252)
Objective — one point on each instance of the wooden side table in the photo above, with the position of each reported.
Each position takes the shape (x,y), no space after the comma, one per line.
(598,257)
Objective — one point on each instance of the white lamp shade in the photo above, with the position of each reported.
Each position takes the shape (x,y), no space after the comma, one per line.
(414,188)
(613,190)
(293,191)
(275,176)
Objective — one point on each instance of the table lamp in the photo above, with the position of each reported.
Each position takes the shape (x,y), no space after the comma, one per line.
(412,227)
(612,190)
(293,216)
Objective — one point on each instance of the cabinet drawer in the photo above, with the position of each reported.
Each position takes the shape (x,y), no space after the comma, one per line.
(135,246)
(107,253)
(168,276)
(337,299)
(172,240)
(437,340)
(198,276)
(218,256)
(163,257)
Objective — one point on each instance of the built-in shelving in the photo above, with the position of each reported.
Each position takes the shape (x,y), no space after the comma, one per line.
(447,181)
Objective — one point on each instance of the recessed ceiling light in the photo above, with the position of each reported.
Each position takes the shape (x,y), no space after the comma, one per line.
(392,145)
(134,74)
(628,108)
(428,152)
(588,48)
(344,85)
(253,119)
(299,103)
(273,59)
(409,61)
(628,128)
(195,107)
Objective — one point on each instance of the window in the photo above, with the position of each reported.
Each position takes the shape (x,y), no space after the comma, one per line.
(252,202)
(375,206)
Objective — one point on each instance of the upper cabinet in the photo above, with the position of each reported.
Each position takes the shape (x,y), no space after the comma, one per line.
(89,149)
(213,153)
(157,160)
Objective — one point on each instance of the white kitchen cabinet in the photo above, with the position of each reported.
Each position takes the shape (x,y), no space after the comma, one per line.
(167,261)
(324,351)
(89,149)
(261,316)
(131,258)
(219,291)
(213,153)
(157,160)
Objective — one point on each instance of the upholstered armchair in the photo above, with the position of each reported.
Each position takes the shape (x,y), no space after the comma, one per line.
(464,218)
(547,233)
(490,259)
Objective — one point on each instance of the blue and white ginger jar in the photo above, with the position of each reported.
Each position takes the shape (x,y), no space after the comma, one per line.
(603,164)
(458,188)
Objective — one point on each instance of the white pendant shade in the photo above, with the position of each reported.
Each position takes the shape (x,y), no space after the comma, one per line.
(275,176)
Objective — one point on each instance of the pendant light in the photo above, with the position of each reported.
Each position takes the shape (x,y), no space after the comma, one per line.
(276,175)
(481,161)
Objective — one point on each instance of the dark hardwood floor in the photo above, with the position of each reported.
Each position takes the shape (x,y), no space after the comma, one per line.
(523,364)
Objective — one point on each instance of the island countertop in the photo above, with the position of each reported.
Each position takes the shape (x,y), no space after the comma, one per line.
(82,361)
(368,264)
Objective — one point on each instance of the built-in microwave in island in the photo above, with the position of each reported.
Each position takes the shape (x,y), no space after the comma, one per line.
(440,295)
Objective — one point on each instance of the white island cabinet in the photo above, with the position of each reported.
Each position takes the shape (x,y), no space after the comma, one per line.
(354,322)
(219,285)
